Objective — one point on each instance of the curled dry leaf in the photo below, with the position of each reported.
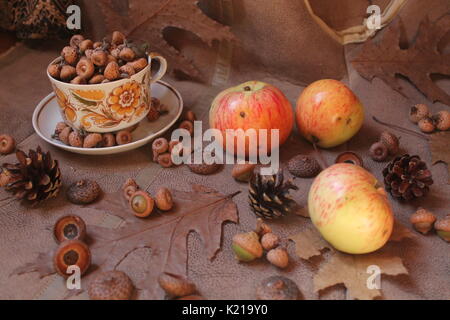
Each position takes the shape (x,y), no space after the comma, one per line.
(385,59)
(147,19)
(440,149)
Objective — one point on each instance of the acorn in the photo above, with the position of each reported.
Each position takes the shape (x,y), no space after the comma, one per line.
(67,73)
(175,285)
(349,157)
(99,58)
(139,64)
(78,80)
(379,151)
(64,135)
(278,257)
(243,172)
(127,54)
(111,285)
(142,204)
(442,120)
(163,199)
(108,140)
(160,145)
(69,227)
(129,188)
(442,227)
(96,79)
(277,288)
(93,140)
(83,192)
(76,139)
(128,69)
(85,68)
(165,160)
(426,125)
(247,247)
(86,45)
(123,137)
(418,112)
(270,241)
(423,220)
(112,71)
(304,166)
(391,141)
(54,70)
(71,253)
(7,144)
(262,228)
(118,38)
(76,40)
(70,55)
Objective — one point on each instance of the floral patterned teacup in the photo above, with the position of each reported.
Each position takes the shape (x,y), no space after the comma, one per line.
(108,107)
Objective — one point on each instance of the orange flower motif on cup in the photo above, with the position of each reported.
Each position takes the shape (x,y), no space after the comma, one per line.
(124,100)
(98,120)
(64,103)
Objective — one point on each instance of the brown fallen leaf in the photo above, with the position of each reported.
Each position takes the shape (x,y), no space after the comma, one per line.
(202,210)
(385,59)
(309,243)
(346,269)
(146,20)
(353,272)
(440,149)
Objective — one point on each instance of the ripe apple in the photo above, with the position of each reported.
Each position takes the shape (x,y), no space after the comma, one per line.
(349,209)
(252,105)
(328,113)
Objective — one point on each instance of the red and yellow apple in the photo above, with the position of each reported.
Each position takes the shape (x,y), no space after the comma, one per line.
(349,209)
(328,113)
(252,105)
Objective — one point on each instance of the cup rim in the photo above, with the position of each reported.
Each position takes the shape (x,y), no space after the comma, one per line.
(87,85)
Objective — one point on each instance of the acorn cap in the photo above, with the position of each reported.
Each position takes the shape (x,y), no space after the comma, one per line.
(243,172)
(70,227)
(304,166)
(277,288)
(111,285)
(350,157)
(83,192)
(71,253)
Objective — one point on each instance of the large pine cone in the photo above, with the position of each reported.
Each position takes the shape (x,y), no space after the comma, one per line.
(35,178)
(269,195)
(407,177)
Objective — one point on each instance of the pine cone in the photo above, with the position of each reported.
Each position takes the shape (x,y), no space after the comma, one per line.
(407,177)
(269,196)
(35,178)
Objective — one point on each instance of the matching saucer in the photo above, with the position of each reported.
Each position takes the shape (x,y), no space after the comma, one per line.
(47,115)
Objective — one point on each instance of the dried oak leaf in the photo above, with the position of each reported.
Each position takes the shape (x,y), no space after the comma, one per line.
(440,149)
(346,269)
(203,210)
(385,59)
(146,20)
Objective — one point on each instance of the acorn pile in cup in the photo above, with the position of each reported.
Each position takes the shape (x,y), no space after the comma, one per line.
(84,61)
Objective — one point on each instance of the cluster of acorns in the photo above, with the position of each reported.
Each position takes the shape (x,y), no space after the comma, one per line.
(142,204)
(388,145)
(80,139)
(162,148)
(70,233)
(424,221)
(88,62)
(251,245)
(427,122)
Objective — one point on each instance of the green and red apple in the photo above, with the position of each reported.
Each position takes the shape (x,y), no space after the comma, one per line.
(328,113)
(252,105)
(349,209)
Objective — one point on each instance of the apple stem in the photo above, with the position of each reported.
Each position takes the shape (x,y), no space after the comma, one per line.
(401,129)
(247,88)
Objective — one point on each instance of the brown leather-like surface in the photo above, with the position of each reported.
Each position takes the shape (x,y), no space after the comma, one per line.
(24,232)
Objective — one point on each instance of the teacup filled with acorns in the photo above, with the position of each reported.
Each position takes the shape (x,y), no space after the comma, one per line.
(104,87)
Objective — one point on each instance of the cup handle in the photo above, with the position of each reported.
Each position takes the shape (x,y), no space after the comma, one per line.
(162,67)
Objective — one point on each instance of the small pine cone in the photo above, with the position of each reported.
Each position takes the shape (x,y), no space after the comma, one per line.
(407,177)
(269,195)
